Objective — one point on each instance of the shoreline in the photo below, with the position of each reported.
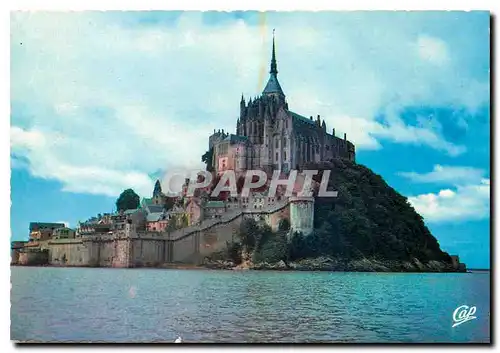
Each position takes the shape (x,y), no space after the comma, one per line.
(310,265)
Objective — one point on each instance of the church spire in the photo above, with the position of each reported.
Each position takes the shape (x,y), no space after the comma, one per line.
(157,189)
(274,65)
(273,87)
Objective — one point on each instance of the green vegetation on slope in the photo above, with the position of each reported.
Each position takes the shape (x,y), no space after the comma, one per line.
(368,220)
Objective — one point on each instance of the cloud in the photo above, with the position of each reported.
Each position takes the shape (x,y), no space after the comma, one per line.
(100,100)
(466,198)
(433,50)
(40,154)
(465,203)
(455,175)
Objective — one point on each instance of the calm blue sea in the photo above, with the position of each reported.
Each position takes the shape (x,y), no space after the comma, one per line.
(152,305)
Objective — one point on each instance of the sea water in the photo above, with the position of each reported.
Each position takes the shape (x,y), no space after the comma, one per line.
(158,305)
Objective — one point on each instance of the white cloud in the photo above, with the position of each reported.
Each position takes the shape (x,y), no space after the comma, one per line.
(455,175)
(433,50)
(95,96)
(42,151)
(20,138)
(469,202)
(468,198)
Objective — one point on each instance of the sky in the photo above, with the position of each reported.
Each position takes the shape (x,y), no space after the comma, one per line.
(104,101)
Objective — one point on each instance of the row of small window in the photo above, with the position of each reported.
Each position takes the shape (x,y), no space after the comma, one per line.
(255,206)
(305,146)
(258,128)
(260,199)
(333,148)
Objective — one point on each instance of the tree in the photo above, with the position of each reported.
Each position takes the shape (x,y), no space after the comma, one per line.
(273,249)
(207,158)
(233,252)
(284,224)
(184,221)
(169,202)
(172,224)
(127,200)
(249,233)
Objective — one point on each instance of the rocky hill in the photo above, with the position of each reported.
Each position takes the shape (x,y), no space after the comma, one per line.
(368,227)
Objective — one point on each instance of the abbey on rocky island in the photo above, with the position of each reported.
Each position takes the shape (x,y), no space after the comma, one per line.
(270,137)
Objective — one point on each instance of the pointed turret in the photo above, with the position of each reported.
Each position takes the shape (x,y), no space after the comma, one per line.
(242,107)
(157,189)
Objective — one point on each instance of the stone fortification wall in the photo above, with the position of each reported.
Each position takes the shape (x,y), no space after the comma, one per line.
(136,249)
(67,252)
(148,252)
(191,245)
(33,258)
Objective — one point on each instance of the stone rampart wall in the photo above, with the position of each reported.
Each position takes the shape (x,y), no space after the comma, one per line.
(149,249)
(33,258)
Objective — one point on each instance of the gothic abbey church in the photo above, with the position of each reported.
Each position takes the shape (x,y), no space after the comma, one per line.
(269,136)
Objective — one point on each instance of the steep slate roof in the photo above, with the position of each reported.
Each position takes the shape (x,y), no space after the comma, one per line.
(155,217)
(301,118)
(306,128)
(39,225)
(130,211)
(273,86)
(154,208)
(236,138)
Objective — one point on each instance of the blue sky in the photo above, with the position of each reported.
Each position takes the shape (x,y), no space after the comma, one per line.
(103,101)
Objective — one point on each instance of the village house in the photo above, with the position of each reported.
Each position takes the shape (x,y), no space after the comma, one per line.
(156,222)
(136,217)
(91,227)
(43,231)
(194,211)
(214,209)
(63,233)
